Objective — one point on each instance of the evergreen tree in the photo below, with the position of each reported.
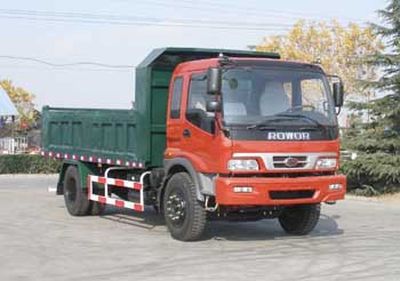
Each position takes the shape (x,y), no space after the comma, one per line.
(377,169)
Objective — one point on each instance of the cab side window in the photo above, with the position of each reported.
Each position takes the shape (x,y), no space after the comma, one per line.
(176,98)
(196,112)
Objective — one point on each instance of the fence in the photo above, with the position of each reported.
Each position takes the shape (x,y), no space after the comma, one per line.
(13,145)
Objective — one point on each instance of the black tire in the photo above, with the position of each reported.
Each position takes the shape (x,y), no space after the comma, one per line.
(75,197)
(301,219)
(184,215)
(96,208)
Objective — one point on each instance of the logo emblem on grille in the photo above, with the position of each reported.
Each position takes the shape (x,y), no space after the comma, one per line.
(291,162)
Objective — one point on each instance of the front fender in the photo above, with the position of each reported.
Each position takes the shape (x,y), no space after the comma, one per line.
(178,164)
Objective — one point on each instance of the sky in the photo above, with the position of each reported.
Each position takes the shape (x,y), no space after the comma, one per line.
(120,33)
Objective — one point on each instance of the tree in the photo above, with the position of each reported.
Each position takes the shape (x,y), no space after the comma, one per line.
(23,101)
(378,144)
(334,46)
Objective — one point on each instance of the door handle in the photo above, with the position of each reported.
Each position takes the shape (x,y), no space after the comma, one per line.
(186,133)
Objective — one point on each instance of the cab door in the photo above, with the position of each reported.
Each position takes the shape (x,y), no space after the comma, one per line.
(201,141)
(191,130)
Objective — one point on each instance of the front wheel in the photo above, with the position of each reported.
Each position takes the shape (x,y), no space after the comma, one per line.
(300,219)
(184,215)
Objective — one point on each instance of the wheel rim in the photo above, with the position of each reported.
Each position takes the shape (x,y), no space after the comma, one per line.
(71,189)
(176,208)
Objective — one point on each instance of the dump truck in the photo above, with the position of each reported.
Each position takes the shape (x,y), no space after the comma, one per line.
(213,134)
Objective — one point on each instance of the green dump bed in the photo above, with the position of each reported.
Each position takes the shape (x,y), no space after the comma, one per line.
(91,135)
(134,138)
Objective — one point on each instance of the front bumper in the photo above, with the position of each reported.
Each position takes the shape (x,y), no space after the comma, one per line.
(262,188)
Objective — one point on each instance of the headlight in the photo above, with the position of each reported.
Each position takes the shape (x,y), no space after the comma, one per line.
(326,163)
(242,165)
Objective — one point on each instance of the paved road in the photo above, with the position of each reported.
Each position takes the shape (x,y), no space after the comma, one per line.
(354,240)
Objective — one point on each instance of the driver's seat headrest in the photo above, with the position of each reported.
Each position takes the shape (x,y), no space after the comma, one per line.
(274,98)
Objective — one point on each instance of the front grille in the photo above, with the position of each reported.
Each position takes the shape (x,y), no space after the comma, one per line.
(292,194)
(281,162)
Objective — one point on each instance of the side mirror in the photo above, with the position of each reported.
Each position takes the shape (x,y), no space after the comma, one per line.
(213,106)
(338,93)
(214,80)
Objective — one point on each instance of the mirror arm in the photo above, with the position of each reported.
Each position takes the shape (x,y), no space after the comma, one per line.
(219,126)
(334,76)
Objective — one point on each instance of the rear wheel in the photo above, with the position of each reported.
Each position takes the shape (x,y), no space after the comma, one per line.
(75,198)
(300,219)
(96,208)
(184,215)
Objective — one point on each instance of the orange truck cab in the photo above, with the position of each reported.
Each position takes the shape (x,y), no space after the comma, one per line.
(214,134)
(259,137)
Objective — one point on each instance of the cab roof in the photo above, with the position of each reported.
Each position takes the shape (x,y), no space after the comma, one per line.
(170,57)
(253,62)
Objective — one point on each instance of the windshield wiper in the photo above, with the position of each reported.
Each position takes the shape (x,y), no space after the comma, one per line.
(319,124)
(263,125)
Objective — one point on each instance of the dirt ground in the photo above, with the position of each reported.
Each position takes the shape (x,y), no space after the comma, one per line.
(386,199)
(356,239)
(390,198)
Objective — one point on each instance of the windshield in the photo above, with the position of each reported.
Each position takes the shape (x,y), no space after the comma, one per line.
(269,95)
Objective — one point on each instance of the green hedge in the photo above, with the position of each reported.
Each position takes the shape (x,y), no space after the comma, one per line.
(28,164)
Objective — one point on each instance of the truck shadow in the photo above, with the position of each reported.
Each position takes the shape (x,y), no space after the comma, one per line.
(268,229)
(224,230)
(147,220)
